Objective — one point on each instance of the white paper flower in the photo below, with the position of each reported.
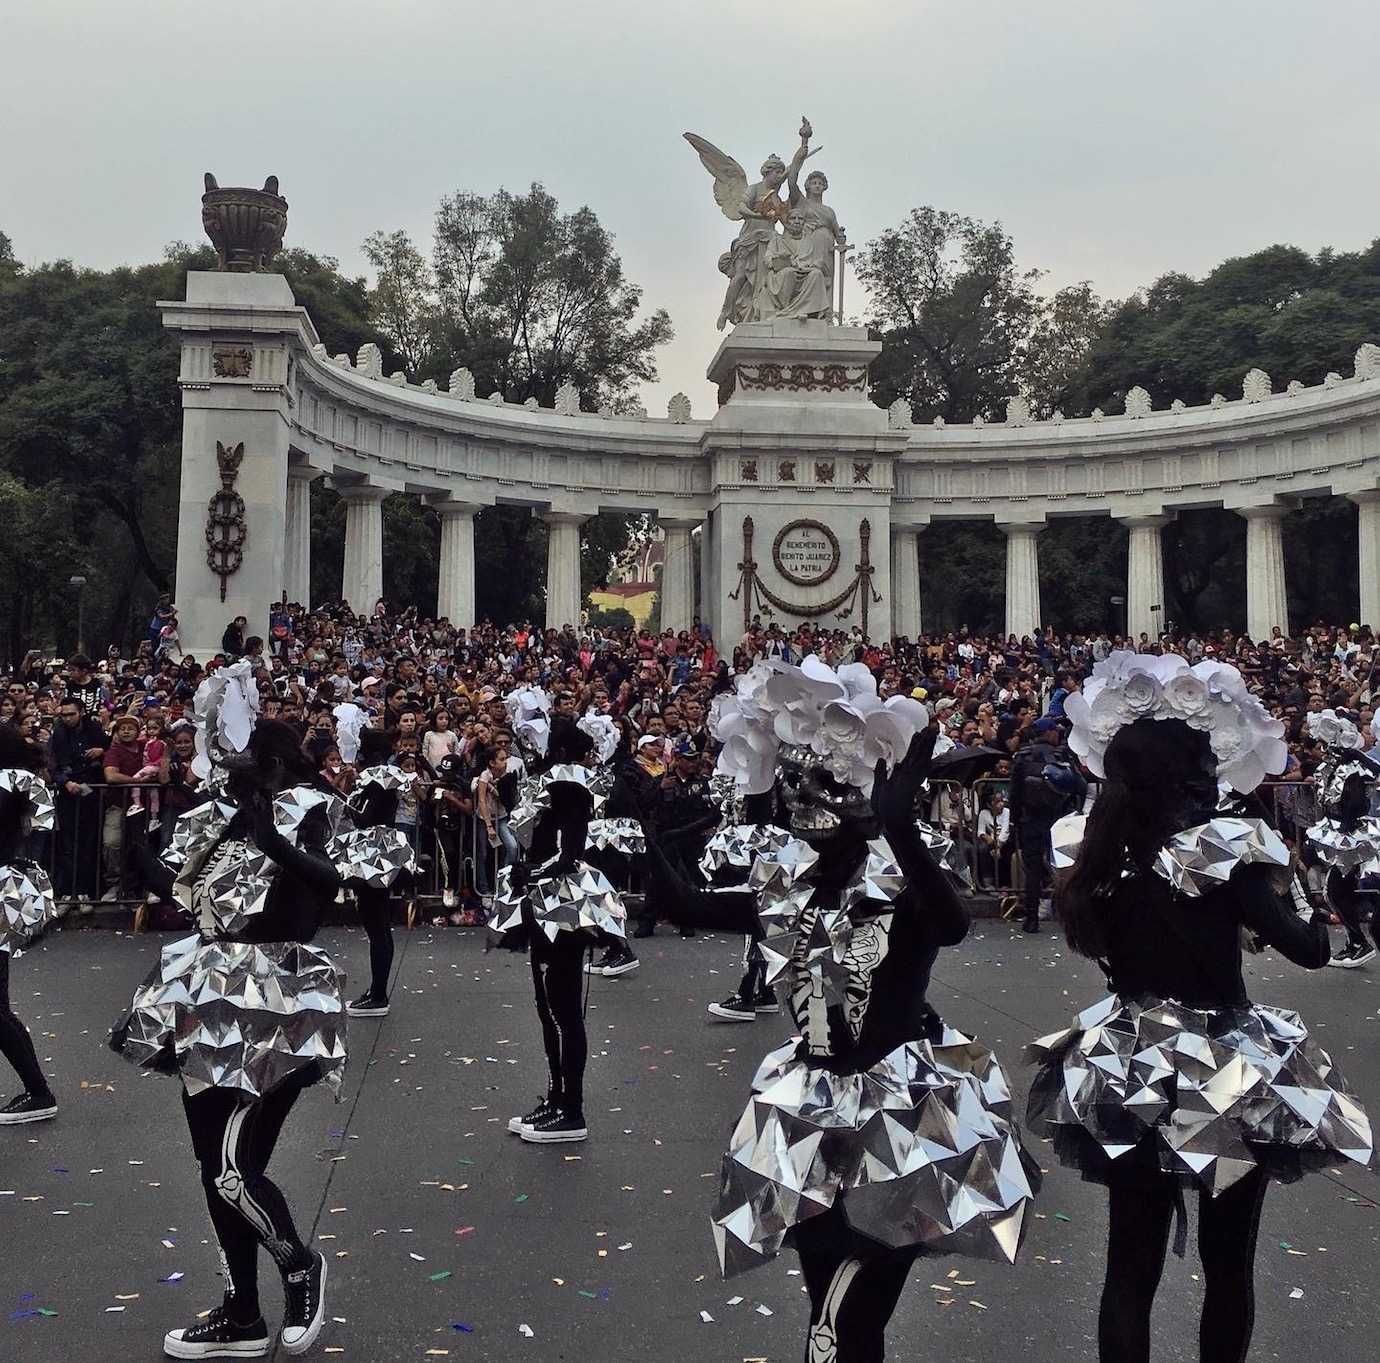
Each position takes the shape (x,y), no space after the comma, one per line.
(1186,697)
(1140,695)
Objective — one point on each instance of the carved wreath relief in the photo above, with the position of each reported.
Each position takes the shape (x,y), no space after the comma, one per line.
(226,530)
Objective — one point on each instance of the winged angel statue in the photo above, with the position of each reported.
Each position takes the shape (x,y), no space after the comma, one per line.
(770,274)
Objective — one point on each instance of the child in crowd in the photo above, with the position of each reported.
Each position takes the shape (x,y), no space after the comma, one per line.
(155,750)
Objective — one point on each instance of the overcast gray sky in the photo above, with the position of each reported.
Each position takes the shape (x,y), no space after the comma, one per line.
(1114,140)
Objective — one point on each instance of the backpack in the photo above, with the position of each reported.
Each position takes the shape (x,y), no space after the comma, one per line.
(1054,790)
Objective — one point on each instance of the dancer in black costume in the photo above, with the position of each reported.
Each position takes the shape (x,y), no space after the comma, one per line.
(1178,1080)
(566,907)
(258,895)
(834,1154)
(26,909)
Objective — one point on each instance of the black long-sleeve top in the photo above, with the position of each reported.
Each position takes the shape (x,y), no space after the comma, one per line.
(1176,946)
(926,915)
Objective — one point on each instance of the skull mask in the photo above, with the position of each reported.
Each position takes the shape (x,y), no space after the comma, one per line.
(822,810)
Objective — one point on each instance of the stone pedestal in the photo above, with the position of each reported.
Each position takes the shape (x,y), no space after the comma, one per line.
(1368,546)
(237,332)
(801,481)
(362,579)
(562,568)
(455,589)
(677,593)
(1023,577)
(907,618)
(1145,576)
(1267,602)
(297,533)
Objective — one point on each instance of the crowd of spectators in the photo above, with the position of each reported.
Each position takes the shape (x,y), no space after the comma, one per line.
(120,745)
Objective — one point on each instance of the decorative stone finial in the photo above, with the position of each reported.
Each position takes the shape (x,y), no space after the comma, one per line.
(939,423)
(899,417)
(369,361)
(979,420)
(1057,416)
(246,226)
(398,379)
(531,402)
(1295,387)
(1218,400)
(1138,402)
(1178,405)
(1331,379)
(429,386)
(1098,414)
(461,385)
(319,350)
(1368,361)
(344,361)
(1017,412)
(678,409)
(495,396)
(567,400)
(1256,386)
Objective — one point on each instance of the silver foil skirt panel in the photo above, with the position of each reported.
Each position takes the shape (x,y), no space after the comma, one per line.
(582,900)
(27,906)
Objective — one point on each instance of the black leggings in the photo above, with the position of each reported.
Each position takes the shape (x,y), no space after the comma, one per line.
(376,913)
(854,1285)
(558,980)
(1138,1235)
(15,1043)
(1344,896)
(233,1136)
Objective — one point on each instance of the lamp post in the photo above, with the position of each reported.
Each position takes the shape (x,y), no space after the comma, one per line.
(78,581)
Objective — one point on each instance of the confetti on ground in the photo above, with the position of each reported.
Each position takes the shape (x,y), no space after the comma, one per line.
(526,1332)
(439,1277)
(706,1318)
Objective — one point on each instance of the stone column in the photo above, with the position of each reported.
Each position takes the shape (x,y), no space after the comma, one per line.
(297,535)
(562,568)
(677,574)
(1022,577)
(1145,576)
(1368,544)
(906,616)
(455,590)
(362,580)
(1267,604)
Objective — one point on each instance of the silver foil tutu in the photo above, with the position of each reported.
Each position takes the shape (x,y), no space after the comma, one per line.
(238,1015)
(225,886)
(1217,1092)
(27,907)
(737,846)
(374,856)
(583,899)
(917,1151)
(617,835)
(1358,846)
(34,788)
(945,851)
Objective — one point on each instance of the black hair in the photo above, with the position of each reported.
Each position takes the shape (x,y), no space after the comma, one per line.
(375,746)
(1158,770)
(17,751)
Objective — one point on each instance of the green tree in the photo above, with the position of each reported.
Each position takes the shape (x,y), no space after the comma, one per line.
(402,302)
(954,312)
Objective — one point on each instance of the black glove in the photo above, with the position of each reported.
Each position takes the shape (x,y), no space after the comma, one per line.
(894,796)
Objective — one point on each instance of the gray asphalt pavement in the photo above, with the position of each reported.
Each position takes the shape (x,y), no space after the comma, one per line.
(449,1238)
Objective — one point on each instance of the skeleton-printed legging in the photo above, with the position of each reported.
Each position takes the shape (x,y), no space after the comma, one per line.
(233,1136)
(558,983)
(854,1285)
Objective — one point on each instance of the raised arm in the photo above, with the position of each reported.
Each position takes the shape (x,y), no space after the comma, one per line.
(1270,913)
(730,910)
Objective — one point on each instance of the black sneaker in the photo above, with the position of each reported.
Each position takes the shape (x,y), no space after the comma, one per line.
(28,1107)
(618,961)
(644,929)
(735,1008)
(518,1124)
(218,1337)
(765,1001)
(368,1005)
(1357,954)
(1030,925)
(558,1125)
(304,1306)
(593,967)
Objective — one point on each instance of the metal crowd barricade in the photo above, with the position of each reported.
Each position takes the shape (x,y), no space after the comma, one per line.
(90,854)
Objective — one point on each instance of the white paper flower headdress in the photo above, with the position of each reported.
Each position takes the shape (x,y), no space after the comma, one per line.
(1337,731)
(835,714)
(224,710)
(1211,697)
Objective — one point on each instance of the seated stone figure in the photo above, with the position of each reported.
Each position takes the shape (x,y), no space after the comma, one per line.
(799,271)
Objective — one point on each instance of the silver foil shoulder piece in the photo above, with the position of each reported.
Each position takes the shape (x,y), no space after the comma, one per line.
(27,907)
(624,836)
(1066,837)
(1206,856)
(738,845)
(195,831)
(374,856)
(582,899)
(34,787)
(291,808)
(386,777)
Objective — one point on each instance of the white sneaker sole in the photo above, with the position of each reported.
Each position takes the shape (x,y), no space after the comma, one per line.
(366,1012)
(43,1114)
(309,1335)
(517,1126)
(613,971)
(533,1137)
(1352,962)
(717,1010)
(244,1348)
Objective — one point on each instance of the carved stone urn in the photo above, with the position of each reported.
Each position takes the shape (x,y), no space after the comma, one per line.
(246,226)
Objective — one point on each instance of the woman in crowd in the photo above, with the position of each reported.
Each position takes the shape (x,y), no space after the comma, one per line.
(247,1011)
(26,909)
(1177,1081)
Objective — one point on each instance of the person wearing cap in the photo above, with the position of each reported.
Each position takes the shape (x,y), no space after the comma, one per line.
(682,818)
(1044,786)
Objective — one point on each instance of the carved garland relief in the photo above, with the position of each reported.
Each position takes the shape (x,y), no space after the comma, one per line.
(226,530)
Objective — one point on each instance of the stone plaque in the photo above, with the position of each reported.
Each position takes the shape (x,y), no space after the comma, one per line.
(806,553)
(232,364)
